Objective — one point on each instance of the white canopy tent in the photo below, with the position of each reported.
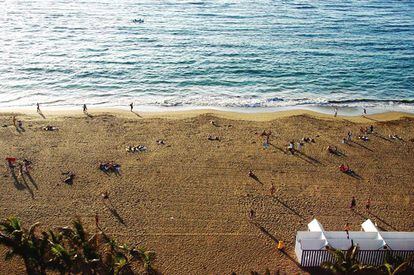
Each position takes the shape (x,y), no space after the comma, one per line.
(310,247)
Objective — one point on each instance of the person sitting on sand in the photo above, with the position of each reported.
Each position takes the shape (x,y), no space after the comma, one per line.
(104,167)
(116,168)
(251,174)
(20,124)
(345,169)
(332,149)
(105,195)
(69,178)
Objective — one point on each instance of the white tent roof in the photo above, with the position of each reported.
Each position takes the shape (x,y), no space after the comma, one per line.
(369,239)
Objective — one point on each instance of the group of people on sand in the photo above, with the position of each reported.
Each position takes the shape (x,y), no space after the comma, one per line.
(18,123)
(136,149)
(353,204)
(298,146)
(111,166)
(84,108)
(364,111)
(24,166)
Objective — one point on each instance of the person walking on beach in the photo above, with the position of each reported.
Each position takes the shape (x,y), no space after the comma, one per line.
(368,204)
(347,230)
(20,170)
(26,166)
(132,106)
(272,190)
(300,145)
(14,121)
(365,111)
(252,214)
(38,107)
(336,112)
(291,147)
(353,204)
(85,109)
(349,136)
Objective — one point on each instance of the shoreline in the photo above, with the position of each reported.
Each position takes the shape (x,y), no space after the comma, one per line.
(189,113)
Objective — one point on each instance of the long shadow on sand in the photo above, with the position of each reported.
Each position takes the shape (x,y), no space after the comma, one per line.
(365,217)
(362,146)
(87,114)
(278,148)
(113,211)
(41,114)
(354,175)
(18,185)
(289,208)
(135,113)
(255,178)
(307,157)
(274,239)
(381,136)
(29,176)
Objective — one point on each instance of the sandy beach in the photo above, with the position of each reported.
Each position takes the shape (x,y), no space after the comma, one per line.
(189,199)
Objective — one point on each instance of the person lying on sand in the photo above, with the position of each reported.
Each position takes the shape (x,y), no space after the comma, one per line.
(160,142)
(395,137)
(50,128)
(363,138)
(136,149)
(110,167)
(332,149)
(210,137)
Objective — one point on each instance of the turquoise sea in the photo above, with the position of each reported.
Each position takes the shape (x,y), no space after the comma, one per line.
(223,54)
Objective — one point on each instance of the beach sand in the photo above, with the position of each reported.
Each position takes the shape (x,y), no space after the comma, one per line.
(189,199)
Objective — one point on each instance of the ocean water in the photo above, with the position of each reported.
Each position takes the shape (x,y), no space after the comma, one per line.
(226,54)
